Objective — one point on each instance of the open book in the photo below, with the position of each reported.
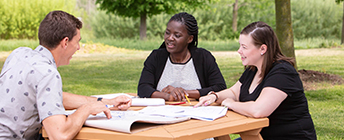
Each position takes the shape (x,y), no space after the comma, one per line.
(136,101)
(123,121)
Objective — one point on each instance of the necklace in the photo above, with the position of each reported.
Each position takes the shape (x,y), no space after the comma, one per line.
(186,58)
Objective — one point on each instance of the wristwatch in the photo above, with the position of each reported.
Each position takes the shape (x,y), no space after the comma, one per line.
(99,98)
(212,92)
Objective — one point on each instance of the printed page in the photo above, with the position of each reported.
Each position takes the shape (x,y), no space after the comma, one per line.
(208,113)
(136,101)
(123,120)
(112,95)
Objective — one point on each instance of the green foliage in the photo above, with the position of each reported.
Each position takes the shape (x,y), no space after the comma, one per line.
(113,26)
(21,18)
(251,11)
(215,22)
(338,1)
(156,26)
(311,18)
(117,27)
(136,44)
(136,8)
(316,18)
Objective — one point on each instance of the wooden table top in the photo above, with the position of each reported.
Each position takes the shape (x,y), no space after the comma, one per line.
(231,123)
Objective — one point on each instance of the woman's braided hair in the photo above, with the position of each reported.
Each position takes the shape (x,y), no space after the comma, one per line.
(191,25)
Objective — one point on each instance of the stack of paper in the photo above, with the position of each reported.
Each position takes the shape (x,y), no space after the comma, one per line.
(208,113)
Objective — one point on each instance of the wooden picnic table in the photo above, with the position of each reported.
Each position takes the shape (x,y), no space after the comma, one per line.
(231,123)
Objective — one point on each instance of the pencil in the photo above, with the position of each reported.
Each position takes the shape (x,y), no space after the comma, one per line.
(187,99)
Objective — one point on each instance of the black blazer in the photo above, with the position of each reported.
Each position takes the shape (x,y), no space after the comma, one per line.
(205,64)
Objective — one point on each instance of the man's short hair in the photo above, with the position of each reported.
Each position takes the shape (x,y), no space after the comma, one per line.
(55,26)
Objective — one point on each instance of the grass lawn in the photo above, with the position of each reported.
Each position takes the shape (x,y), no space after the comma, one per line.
(118,70)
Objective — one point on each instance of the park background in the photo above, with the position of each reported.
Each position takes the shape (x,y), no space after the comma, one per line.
(112,54)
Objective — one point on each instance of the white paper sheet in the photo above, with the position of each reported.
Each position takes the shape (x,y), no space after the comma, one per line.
(208,113)
(136,101)
(123,120)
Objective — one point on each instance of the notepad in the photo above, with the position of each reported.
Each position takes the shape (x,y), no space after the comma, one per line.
(136,101)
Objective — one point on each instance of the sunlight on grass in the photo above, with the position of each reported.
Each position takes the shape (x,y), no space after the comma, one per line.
(324,60)
(117,70)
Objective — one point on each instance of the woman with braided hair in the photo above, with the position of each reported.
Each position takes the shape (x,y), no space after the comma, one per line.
(178,67)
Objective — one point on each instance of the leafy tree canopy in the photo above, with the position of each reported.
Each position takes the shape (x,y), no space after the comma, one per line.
(135,8)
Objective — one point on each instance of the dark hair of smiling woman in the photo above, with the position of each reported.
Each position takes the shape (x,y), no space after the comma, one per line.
(191,26)
(262,33)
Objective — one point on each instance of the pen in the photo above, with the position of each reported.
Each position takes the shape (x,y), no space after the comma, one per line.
(109,106)
(187,99)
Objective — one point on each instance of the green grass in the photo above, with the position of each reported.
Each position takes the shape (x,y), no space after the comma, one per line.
(148,45)
(9,45)
(101,74)
(90,74)
(326,104)
(316,43)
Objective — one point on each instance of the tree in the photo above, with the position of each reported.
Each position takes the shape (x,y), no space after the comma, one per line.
(236,7)
(144,8)
(284,29)
(235,16)
(342,40)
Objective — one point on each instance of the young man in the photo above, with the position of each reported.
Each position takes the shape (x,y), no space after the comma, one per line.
(31,87)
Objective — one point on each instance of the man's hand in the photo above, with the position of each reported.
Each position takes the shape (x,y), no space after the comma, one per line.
(121,102)
(97,107)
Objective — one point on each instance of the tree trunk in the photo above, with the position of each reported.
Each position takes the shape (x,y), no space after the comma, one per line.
(284,29)
(235,16)
(342,41)
(143,26)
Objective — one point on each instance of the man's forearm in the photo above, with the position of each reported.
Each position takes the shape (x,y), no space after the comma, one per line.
(73,101)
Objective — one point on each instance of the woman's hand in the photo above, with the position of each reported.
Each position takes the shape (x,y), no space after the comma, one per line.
(206,100)
(227,102)
(175,94)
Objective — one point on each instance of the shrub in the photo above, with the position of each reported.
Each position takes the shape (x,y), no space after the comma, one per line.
(20,19)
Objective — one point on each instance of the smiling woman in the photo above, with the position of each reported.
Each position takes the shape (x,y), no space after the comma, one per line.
(178,68)
(269,87)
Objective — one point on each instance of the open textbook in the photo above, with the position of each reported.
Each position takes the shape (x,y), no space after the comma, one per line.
(123,121)
(135,100)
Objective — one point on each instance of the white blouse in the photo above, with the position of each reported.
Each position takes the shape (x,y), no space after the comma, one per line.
(179,75)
